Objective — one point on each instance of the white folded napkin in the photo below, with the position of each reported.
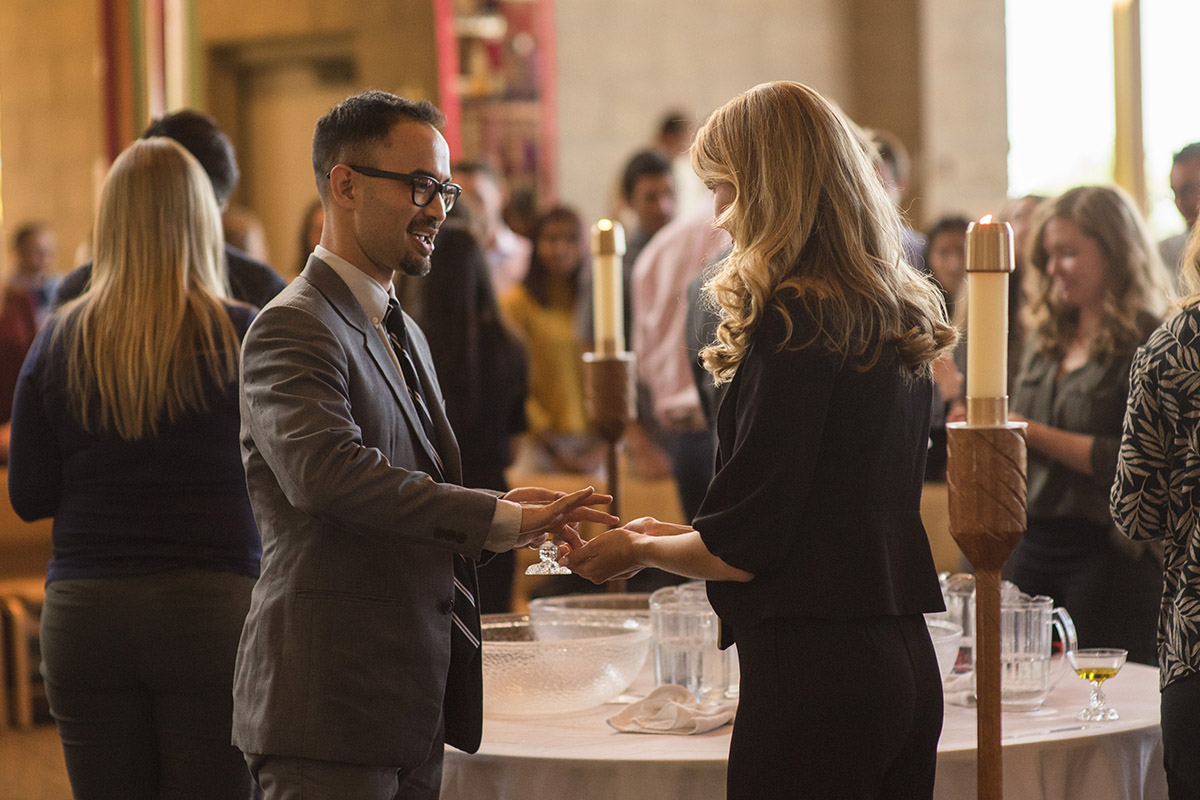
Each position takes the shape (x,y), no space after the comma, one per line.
(672,709)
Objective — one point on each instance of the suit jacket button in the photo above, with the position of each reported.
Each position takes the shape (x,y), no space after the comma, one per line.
(447,606)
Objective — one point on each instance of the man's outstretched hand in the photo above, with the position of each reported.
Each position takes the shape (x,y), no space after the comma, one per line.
(545,511)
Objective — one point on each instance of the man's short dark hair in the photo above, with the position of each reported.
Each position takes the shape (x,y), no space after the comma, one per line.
(646,163)
(460,168)
(674,123)
(348,129)
(949,224)
(1188,153)
(26,232)
(200,136)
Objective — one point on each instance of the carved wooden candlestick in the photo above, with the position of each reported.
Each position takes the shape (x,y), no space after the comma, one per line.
(610,392)
(610,400)
(985,471)
(986,476)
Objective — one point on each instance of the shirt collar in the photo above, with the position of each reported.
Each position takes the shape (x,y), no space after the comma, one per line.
(370,295)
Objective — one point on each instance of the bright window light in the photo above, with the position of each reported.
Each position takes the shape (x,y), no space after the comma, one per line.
(1061,125)
(1170,77)
(1060,94)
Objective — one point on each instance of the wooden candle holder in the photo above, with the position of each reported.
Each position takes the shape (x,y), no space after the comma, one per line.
(610,401)
(986,469)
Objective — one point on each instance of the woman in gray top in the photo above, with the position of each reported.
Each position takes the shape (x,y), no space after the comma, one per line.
(1098,290)
(1156,497)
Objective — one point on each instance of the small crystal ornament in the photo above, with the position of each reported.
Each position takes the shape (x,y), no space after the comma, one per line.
(547,561)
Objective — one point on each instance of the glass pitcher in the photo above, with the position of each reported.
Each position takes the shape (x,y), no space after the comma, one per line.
(1026,637)
(1027,626)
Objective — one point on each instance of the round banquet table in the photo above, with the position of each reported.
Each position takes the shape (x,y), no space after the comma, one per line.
(1048,754)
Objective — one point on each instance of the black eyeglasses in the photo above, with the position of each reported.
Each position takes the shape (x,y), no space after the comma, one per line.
(424,188)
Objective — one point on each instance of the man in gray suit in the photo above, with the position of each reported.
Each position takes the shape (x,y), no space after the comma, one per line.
(360,654)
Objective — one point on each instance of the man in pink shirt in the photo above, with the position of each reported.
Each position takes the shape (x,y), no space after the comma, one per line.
(676,255)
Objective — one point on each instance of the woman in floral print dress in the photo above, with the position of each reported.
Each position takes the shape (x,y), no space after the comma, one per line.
(1156,497)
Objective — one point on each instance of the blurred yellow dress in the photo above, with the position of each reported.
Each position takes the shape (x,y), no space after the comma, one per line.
(555,401)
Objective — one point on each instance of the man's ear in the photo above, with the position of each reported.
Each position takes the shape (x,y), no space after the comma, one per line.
(341,186)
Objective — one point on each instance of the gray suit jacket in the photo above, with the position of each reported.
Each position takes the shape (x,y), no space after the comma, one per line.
(345,655)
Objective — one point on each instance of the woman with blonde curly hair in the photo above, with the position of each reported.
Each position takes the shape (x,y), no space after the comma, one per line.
(810,535)
(1156,497)
(125,431)
(1098,290)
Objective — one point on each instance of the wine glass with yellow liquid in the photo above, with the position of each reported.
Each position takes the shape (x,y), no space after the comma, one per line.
(1097,665)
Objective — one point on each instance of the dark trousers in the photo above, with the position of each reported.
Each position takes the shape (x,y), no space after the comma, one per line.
(1114,599)
(139,675)
(293,778)
(836,710)
(288,778)
(1181,737)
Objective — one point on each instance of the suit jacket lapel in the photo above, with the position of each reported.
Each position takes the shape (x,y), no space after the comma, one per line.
(339,295)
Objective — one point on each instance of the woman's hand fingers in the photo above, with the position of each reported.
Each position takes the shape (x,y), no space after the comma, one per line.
(610,555)
(569,535)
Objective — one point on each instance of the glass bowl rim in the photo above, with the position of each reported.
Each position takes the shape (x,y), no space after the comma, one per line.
(619,633)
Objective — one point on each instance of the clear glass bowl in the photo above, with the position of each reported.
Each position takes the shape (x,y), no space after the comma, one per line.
(626,609)
(557,667)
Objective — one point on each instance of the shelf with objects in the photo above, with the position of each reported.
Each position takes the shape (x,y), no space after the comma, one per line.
(496,80)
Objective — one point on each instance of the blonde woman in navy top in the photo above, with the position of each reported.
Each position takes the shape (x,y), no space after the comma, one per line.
(125,430)
(810,535)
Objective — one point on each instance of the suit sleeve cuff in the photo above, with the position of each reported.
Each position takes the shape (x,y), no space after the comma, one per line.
(506,527)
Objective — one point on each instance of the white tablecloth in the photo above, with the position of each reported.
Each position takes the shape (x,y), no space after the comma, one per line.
(1048,755)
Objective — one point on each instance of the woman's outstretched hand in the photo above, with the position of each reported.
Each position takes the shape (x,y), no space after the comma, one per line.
(606,557)
(647,542)
(653,527)
(619,552)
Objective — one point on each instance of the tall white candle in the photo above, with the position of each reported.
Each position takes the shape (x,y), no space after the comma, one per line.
(608,300)
(989,262)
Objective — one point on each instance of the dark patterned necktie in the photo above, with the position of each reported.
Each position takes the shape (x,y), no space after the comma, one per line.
(466,626)
(397,333)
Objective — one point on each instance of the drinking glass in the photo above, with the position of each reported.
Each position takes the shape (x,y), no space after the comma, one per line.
(1097,665)
(686,651)
(547,561)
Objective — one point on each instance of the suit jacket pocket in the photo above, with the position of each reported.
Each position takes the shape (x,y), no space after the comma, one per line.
(369,663)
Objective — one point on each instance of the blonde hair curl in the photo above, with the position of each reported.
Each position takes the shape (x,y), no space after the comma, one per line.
(810,219)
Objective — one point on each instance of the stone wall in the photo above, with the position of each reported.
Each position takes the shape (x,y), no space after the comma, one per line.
(621,64)
(50,119)
(964,120)
(925,69)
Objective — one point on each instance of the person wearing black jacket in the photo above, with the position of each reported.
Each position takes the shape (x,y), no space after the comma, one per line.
(810,535)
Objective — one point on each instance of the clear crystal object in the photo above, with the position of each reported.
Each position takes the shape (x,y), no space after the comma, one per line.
(547,561)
